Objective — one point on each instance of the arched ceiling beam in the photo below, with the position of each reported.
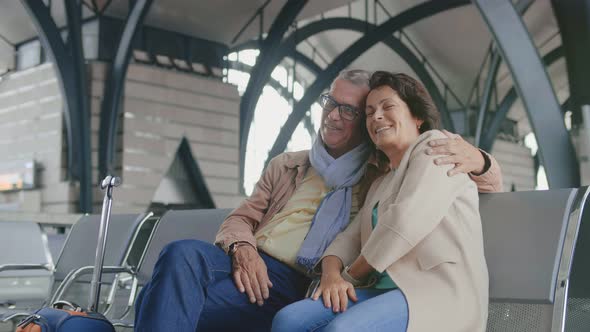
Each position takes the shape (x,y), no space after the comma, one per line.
(74,17)
(111,104)
(297,56)
(373,36)
(262,70)
(573,21)
(489,137)
(392,42)
(307,62)
(283,91)
(360,26)
(490,84)
(417,66)
(70,71)
(534,87)
(294,54)
(252,44)
(487,95)
(309,127)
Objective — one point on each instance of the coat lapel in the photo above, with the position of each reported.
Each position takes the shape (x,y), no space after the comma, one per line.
(388,187)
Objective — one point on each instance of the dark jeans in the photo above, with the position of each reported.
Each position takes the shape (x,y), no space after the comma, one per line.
(192,290)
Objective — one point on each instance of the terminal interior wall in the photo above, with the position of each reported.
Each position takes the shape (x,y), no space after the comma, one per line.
(160,107)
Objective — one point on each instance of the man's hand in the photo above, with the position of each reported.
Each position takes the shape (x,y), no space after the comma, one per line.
(465,157)
(250,274)
(335,291)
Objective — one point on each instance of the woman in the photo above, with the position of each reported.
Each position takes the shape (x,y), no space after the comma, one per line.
(416,246)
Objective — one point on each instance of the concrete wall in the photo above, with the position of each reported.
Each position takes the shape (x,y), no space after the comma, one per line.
(160,108)
(518,166)
(31,128)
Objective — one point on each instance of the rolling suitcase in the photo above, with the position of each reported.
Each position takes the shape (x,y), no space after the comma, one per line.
(64,316)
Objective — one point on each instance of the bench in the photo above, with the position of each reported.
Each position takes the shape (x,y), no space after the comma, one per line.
(529,240)
(71,273)
(173,226)
(25,265)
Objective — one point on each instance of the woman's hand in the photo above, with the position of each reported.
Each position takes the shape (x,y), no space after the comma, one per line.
(335,291)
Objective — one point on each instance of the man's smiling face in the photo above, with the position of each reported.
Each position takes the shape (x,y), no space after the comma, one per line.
(340,135)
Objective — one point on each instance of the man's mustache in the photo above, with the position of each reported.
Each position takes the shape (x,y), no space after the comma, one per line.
(331,124)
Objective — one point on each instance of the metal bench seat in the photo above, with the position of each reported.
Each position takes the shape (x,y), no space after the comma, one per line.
(536,281)
(529,240)
(25,265)
(73,269)
(174,225)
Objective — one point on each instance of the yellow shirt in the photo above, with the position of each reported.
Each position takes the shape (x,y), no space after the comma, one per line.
(282,237)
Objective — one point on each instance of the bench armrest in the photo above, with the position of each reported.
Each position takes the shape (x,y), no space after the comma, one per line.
(75,274)
(25,267)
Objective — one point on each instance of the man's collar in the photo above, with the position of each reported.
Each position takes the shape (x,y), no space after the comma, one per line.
(296,159)
(376,159)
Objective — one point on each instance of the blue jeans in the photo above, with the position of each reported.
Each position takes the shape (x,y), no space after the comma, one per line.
(375,310)
(192,290)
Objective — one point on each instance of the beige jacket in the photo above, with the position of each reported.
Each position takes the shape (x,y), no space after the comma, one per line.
(428,239)
(283,176)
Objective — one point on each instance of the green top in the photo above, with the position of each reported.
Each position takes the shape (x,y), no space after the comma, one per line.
(383,279)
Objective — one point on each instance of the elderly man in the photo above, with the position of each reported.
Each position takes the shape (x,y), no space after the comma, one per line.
(267,245)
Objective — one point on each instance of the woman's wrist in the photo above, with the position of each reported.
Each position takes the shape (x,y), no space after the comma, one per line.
(346,276)
(331,265)
(360,269)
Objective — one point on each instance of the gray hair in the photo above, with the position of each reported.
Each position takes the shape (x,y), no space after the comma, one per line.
(358,77)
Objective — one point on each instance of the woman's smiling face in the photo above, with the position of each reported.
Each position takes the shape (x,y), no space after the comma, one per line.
(389,121)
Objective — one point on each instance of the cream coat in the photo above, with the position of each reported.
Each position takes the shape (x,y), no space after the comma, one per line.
(428,238)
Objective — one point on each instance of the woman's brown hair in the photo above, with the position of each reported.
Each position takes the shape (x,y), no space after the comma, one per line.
(413,93)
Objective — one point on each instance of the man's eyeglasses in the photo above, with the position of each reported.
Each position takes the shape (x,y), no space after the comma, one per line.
(346,112)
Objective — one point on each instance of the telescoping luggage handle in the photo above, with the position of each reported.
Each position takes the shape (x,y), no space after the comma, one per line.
(107,185)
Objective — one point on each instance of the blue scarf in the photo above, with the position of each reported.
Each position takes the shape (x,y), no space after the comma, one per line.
(333,213)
